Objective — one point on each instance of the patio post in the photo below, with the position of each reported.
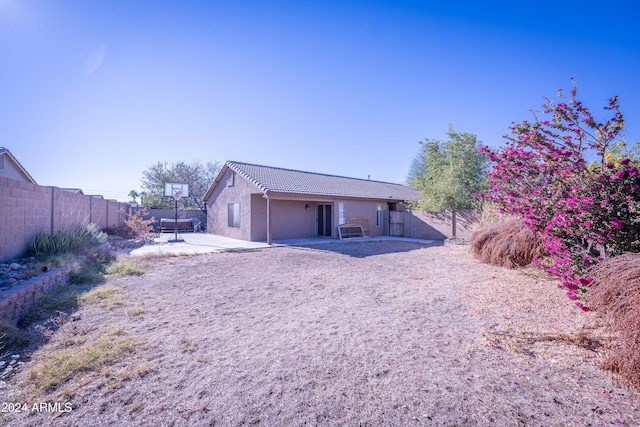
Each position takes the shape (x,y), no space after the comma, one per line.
(268,219)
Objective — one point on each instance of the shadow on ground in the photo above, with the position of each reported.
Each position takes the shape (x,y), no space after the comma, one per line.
(370,248)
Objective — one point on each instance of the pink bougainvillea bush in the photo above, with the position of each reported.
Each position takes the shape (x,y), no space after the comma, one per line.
(570,179)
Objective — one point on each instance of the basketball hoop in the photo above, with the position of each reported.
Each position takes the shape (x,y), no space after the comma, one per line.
(177,191)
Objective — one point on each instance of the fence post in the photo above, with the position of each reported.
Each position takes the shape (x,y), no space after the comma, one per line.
(52,203)
(453,223)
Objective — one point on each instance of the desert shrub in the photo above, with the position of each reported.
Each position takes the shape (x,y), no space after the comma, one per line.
(615,295)
(135,226)
(509,244)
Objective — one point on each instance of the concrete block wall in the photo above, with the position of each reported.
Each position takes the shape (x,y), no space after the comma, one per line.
(27,209)
(69,209)
(98,212)
(114,217)
(440,225)
(18,299)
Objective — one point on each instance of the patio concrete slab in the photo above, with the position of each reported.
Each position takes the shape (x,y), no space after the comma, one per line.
(199,243)
(194,243)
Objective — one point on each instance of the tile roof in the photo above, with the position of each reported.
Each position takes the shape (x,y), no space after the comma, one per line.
(279,180)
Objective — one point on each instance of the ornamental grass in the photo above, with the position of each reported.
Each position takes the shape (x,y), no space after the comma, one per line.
(615,295)
(509,244)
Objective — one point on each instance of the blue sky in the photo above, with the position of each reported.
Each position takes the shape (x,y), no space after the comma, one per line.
(92,93)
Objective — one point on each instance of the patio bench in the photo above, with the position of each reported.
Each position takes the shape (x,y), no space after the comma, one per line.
(168,225)
(362,222)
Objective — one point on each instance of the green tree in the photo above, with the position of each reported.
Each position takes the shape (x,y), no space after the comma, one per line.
(417,168)
(447,174)
(199,175)
(134,195)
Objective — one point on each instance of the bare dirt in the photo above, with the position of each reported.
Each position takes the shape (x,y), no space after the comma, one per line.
(358,334)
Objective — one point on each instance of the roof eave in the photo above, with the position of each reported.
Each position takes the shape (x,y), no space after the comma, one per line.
(19,166)
(229,165)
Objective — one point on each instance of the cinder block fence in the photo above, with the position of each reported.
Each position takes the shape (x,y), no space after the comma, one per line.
(27,209)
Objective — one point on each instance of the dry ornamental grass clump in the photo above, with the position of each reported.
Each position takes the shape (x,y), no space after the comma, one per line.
(509,244)
(616,296)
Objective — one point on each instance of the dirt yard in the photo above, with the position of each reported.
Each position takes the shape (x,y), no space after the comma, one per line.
(358,334)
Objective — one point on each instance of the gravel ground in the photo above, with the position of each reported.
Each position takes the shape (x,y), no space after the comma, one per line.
(365,333)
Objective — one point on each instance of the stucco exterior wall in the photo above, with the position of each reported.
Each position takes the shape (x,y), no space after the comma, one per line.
(290,219)
(258,218)
(217,208)
(10,170)
(366,209)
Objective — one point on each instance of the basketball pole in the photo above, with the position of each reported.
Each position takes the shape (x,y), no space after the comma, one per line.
(175,224)
(176,197)
(177,191)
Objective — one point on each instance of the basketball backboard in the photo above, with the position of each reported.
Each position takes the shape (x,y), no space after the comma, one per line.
(172,189)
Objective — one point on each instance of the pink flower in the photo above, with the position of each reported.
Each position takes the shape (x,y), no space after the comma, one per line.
(588,225)
(584,281)
(615,224)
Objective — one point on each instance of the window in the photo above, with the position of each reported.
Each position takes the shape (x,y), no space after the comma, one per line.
(230,178)
(1,162)
(379,215)
(342,213)
(234,214)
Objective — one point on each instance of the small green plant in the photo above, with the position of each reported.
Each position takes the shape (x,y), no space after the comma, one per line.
(105,296)
(61,365)
(124,267)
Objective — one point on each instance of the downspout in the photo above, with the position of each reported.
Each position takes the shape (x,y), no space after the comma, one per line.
(266,196)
